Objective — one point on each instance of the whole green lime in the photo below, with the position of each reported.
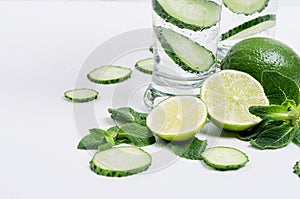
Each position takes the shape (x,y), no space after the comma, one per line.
(254,55)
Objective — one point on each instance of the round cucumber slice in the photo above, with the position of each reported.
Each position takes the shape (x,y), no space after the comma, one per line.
(250,28)
(186,53)
(81,95)
(145,65)
(246,7)
(120,161)
(109,74)
(189,14)
(224,158)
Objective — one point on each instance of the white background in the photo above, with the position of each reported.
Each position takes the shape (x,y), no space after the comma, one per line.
(42,48)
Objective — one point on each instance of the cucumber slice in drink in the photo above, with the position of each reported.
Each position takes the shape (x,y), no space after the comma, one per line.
(250,28)
(109,74)
(188,54)
(189,14)
(224,158)
(145,65)
(81,95)
(246,7)
(120,161)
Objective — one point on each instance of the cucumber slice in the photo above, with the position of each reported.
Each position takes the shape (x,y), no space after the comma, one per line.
(145,65)
(246,7)
(81,95)
(250,28)
(189,14)
(191,56)
(109,74)
(224,158)
(120,161)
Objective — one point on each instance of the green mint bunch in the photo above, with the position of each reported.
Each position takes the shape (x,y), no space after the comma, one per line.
(132,131)
(281,120)
(279,127)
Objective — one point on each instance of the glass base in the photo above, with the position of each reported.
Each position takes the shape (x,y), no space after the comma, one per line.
(155,93)
(221,53)
(164,86)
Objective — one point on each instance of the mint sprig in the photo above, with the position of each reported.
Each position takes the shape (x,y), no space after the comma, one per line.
(280,125)
(132,131)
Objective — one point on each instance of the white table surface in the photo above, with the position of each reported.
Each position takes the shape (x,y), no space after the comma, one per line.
(43,46)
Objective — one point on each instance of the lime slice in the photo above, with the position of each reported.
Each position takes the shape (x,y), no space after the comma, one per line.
(177,118)
(228,95)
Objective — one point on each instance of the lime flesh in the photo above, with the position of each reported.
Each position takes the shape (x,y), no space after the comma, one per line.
(177,118)
(228,95)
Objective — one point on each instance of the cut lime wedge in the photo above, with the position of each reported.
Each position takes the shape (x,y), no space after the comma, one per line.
(177,118)
(228,94)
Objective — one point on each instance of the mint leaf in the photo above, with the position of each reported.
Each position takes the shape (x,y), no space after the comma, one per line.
(128,115)
(93,140)
(276,137)
(258,129)
(113,131)
(105,146)
(297,136)
(191,149)
(274,112)
(107,135)
(279,88)
(136,134)
(297,168)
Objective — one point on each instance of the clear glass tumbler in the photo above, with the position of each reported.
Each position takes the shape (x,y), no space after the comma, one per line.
(186,34)
(242,19)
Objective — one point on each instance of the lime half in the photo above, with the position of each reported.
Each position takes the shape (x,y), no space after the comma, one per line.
(228,95)
(177,118)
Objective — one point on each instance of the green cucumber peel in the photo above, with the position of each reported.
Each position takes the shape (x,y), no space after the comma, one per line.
(172,43)
(195,20)
(120,161)
(246,7)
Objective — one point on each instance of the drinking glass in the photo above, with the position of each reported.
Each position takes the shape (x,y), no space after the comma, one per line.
(243,19)
(184,47)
